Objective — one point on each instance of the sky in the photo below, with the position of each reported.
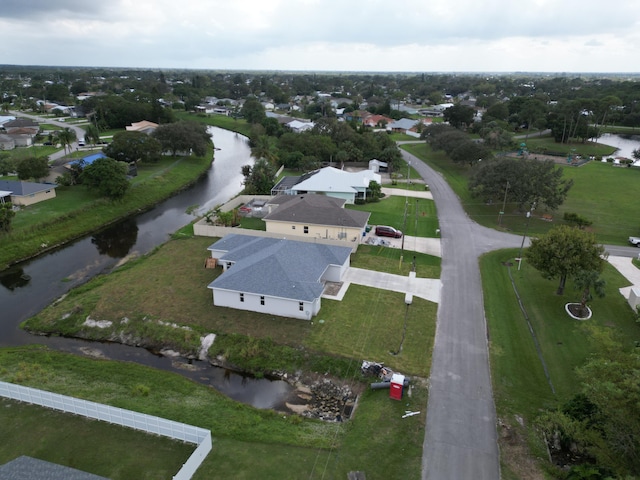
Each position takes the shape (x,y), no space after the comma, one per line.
(325,35)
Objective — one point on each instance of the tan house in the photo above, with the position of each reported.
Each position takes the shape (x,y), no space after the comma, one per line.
(27,193)
(143,126)
(314,216)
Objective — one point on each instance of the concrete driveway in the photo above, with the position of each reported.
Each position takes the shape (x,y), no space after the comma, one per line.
(427,288)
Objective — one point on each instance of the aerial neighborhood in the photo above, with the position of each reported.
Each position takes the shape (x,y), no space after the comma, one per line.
(332,268)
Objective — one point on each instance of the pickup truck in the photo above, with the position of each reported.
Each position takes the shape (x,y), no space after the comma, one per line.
(634,241)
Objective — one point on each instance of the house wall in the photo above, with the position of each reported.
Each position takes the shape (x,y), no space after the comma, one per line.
(272,306)
(334,273)
(328,232)
(204,229)
(33,198)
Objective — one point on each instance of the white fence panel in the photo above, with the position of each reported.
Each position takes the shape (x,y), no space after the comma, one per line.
(119,416)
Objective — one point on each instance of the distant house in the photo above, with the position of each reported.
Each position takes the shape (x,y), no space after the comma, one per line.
(275,276)
(314,216)
(22,131)
(378,166)
(7,142)
(298,126)
(27,193)
(143,126)
(402,125)
(333,182)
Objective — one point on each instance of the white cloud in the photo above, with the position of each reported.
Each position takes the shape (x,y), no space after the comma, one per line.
(408,35)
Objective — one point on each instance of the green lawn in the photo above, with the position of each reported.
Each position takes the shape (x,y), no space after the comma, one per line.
(392,260)
(421,219)
(88,445)
(520,386)
(602,193)
(76,211)
(222,121)
(547,144)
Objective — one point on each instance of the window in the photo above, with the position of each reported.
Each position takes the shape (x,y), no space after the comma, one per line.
(306,229)
(301,306)
(293,227)
(261,300)
(242,297)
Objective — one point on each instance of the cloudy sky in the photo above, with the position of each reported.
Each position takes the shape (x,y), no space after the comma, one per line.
(320,35)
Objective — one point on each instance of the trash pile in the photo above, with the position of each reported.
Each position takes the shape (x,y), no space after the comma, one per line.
(376,370)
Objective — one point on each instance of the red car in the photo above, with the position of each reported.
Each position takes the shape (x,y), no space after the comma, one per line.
(384,231)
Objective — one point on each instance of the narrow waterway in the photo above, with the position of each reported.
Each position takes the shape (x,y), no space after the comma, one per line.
(28,287)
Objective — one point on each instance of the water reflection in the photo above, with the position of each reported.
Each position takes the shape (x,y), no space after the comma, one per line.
(116,241)
(14,278)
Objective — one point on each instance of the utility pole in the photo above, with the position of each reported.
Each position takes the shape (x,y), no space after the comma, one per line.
(526,229)
(504,204)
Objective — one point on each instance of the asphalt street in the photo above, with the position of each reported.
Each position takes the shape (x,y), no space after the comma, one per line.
(460,437)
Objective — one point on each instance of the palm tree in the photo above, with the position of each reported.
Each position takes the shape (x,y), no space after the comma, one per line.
(588,281)
(66,138)
(265,148)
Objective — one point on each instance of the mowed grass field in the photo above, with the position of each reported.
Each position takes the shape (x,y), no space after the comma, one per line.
(521,388)
(170,285)
(602,193)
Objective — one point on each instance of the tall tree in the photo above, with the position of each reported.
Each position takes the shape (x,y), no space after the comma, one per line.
(6,216)
(259,178)
(183,136)
(107,176)
(253,110)
(459,116)
(33,168)
(66,137)
(530,181)
(564,252)
(134,147)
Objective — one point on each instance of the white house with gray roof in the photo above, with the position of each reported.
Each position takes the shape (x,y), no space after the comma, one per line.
(275,276)
(337,183)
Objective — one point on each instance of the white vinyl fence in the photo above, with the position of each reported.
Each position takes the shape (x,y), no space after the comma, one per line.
(119,416)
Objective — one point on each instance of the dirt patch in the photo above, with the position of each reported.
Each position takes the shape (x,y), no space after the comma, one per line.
(515,453)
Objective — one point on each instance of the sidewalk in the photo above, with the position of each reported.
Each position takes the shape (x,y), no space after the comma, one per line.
(627,270)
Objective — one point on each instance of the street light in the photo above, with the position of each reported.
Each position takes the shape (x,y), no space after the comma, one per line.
(524,235)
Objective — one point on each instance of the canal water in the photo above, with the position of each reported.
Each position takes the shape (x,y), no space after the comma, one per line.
(28,287)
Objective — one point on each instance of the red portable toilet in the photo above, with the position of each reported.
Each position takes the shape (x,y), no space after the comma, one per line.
(397,384)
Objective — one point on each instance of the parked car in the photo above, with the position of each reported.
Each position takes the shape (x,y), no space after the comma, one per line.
(245,209)
(634,241)
(384,231)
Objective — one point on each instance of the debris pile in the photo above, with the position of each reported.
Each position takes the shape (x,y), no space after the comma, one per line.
(329,401)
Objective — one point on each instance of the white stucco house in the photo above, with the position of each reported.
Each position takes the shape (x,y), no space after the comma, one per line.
(275,276)
(336,183)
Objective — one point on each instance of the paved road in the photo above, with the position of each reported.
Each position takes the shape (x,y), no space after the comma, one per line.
(460,438)
(78,130)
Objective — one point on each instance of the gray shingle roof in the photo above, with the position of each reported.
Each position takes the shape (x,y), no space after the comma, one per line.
(24,188)
(316,210)
(276,267)
(27,468)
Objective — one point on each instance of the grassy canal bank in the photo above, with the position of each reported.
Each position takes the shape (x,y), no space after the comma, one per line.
(77,211)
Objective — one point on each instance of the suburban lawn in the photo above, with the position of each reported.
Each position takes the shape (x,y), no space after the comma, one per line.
(76,211)
(392,260)
(88,445)
(521,389)
(222,121)
(368,324)
(421,219)
(146,290)
(601,192)
(247,443)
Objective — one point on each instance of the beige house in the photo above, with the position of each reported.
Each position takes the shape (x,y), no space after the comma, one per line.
(144,126)
(27,193)
(314,216)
